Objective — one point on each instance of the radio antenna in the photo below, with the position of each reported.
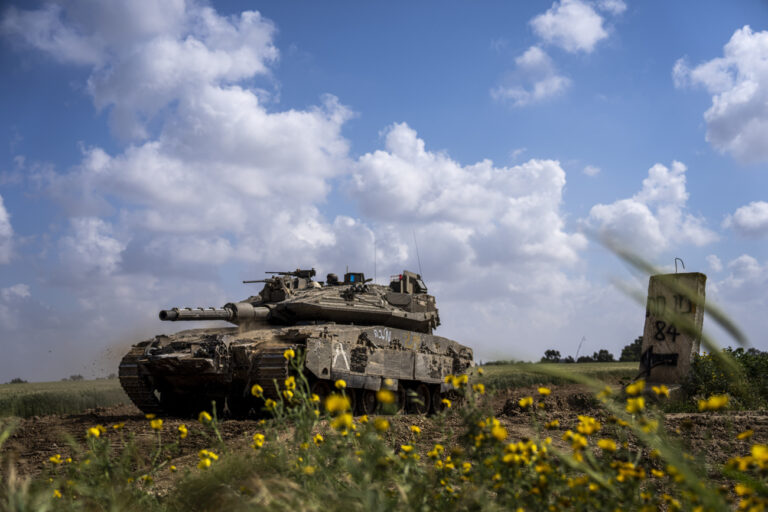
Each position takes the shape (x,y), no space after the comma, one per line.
(418,258)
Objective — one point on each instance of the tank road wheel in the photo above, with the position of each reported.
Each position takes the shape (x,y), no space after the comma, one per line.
(368,404)
(351,394)
(240,406)
(419,399)
(402,398)
(322,389)
(437,400)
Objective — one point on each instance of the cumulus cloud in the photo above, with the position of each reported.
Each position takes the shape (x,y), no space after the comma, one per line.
(573,25)
(6,234)
(476,215)
(614,7)
(655,218)
(750,220)
(715,265)
(534,79)
(737,121)
(144,54)
(591,170)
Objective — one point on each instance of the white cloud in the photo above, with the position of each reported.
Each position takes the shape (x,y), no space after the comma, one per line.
(6,234)
(614,7)
(144,55)
(573,25)
(750,220)
(477,214)
(655,218)
(591,170)
(534,79)
(90,248)
(715,265)
(737,121)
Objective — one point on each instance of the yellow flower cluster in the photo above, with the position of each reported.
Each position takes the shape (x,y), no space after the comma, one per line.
(207,457)
(713,403)
(258,441)
(96,431)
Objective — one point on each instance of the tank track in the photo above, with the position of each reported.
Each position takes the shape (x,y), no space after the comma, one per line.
(270,366)
(135,385)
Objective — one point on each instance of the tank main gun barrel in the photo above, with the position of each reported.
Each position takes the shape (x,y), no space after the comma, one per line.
(237,313)
(175,314)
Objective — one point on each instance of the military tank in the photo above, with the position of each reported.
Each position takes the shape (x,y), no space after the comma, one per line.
(372,336)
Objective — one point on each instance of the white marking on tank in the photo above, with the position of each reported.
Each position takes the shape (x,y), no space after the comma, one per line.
(339,351)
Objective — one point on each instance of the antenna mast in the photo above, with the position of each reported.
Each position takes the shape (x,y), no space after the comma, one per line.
(374,258)
(418,258)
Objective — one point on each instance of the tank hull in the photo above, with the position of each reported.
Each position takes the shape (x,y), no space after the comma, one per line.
(182,374)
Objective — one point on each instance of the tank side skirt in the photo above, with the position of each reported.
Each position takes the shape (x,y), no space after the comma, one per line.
(135,385)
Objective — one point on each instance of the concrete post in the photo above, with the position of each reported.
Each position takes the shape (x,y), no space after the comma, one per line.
(673,319)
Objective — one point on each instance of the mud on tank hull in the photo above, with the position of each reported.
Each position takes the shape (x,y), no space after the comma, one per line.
(181,374)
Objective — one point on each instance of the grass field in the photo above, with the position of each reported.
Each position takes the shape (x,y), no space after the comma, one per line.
(63,397)
(503,376)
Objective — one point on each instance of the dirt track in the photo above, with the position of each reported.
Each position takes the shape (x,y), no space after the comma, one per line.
(37,439)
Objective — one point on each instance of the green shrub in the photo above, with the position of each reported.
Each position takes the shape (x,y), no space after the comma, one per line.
(748,385)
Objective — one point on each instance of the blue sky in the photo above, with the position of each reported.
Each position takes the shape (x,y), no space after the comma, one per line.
(157,154)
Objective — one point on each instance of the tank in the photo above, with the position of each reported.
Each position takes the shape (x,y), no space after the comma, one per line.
(372,336)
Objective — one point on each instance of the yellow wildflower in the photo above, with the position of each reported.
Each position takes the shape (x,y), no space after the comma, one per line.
(745,435)
(480,371)
(552,424)
(635,405)
(288,394)
(363,418)
(290,383)
(713,403)
(289,354)
(661,390)
(415,429)
(407,448)
(56,459)
(337,403)
(156,424)
(340,384)
(499,433)
(525,402)
(588,425)
(342,421)
(742,489)
(150,416)
(385,396)
(309,470)
(204,417)
(204,463)
(657,473)
(608,445)
(270,404)
(479,388)
(94,432)
(68,460)
(183,431)
(544,391)
(446,403)
(118,426)
(381,424)
(56,493)
(172,468)
(318,439)
(635,388)
(314,398)
(257,390)
(258,440)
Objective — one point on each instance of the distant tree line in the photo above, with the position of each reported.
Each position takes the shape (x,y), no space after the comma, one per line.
(629,353)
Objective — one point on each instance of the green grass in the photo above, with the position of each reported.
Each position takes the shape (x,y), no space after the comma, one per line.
(63,397)
(531,374)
